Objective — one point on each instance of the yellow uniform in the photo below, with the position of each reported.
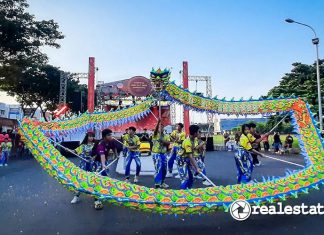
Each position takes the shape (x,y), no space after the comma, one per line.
(245,142)
(251,138)
(156,139)
(178,137)
(6,146)
(4,153)
(186,148)
(184,163)
(85,149)
(196,152)
(132,154)
(132,141)
(125,136)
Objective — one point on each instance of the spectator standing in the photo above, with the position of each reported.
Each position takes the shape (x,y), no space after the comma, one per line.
(226,138)
(289,141)
(277,144)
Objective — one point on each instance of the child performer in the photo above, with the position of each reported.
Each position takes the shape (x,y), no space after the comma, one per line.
(255,140)
(123,137)
(231,145)
(199,155)
(159,149)
(132,142)
(101,161)
(177,137)
(243,158)
(86,151)
(186,161)
(5,151)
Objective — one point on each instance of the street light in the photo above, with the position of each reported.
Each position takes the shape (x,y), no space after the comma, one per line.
(315,41)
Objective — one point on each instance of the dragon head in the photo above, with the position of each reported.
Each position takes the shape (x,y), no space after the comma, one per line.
(160,78)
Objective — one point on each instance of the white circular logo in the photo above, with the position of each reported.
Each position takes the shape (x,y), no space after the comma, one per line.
(120,85)
(240,210)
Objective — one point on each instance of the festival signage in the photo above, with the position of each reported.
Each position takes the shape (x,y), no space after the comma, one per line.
(139,86)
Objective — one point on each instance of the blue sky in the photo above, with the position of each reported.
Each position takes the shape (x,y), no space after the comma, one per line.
(244,45)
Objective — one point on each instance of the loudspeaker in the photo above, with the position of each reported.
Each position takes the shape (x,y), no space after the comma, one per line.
(209,143)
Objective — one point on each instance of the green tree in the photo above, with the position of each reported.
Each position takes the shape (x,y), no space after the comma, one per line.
(21,35)
(36,88)
(283,127)
(301,82)
(40,89)
(74,92)
(22,64)
(44,90)
(261,127)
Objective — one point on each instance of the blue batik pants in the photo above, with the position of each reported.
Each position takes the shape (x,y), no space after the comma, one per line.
(4,157)
(172,158)
(186,172)
(200,162)
(160,165)
(130,157)
(244,164)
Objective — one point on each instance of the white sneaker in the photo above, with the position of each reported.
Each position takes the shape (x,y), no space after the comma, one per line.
(1,165)
(206,183)
(177,176)
(127,180)
(75,199)
(198,177)
(136,179)
(164,185)
(98,205)
(6,164)
(169,175)
(258,164)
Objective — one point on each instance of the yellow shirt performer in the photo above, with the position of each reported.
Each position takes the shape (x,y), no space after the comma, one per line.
(5,151)
(132,143)
(255,140)
(243,158)
(159,149)
(125,135)
(198,153)
(177,137)
(86,151)
(187,164)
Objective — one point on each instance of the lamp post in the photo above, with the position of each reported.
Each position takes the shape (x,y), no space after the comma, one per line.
(315,41)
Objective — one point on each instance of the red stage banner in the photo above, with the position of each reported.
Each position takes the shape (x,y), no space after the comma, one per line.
(149,122)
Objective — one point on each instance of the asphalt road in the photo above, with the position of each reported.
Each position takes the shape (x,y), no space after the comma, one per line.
(31,202)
